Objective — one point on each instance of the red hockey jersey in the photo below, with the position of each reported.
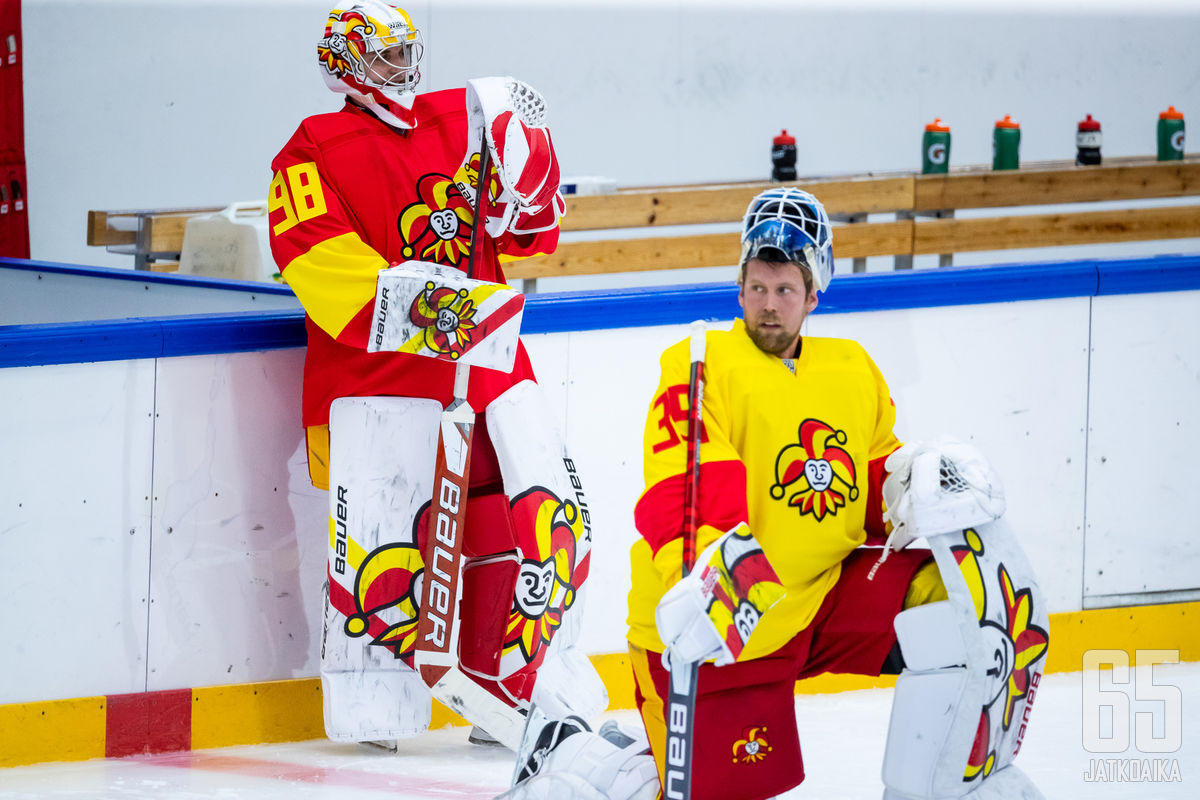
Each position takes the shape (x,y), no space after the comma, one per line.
(349,196)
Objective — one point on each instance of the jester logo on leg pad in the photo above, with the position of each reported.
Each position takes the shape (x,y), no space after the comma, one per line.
(1015,642)
(816,474)
(549,533)
(386,599)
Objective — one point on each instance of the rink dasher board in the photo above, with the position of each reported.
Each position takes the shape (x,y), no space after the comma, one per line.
(163,522)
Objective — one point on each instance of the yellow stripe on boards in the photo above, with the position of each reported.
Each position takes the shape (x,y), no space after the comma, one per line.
(73,730)
(56,730)
(335,279)
(257,713)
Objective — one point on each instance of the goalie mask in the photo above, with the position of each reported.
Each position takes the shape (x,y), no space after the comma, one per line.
(372,50)
(794,223)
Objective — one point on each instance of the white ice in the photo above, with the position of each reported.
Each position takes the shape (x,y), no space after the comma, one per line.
(842,737)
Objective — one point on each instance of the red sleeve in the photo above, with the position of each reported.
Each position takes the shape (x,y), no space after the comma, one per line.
(659,512)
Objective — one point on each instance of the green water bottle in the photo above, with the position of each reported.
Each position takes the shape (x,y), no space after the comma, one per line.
(1170,135)
(935,148)
(1006,141)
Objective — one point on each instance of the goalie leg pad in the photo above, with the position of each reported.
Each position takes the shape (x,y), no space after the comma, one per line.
(375,565)
(979,655)
(552,523)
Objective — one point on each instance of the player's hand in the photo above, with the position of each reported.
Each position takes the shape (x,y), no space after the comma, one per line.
(685,627)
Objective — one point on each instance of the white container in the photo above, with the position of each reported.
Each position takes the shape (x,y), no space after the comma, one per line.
(231,244)
(587,184)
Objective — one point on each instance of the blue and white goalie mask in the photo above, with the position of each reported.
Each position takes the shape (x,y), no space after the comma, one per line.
(793,222)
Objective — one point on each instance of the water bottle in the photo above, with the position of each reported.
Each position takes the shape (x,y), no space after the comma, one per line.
(935,148)
(783,157)
(1170,135)
(1087,142)
(1006,141)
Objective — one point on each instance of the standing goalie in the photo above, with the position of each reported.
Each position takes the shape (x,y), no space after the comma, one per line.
(391,179)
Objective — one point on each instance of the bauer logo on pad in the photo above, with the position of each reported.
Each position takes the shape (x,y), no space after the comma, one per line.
(430,310)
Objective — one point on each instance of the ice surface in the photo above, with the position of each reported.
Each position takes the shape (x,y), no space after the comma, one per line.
(842,735)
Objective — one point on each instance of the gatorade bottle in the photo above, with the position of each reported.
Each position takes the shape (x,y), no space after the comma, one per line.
(783,157)
(935,148)
(1170,135)
(1006,141)
(1087,142)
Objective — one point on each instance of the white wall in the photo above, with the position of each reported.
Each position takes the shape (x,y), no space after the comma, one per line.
(159,526)
(141,104)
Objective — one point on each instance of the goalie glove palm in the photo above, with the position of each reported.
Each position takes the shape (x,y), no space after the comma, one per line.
(937,487)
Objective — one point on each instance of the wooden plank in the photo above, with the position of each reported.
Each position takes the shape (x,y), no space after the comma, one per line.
(1066,185)
(727,202)
(1055,230)
(706,250)
(164,232)
(98,232)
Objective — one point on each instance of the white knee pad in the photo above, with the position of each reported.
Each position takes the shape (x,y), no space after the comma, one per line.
(973,663)
(381,460)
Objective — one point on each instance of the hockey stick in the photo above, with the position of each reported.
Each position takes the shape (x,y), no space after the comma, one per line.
(436,654)
(477,229)
(681,698)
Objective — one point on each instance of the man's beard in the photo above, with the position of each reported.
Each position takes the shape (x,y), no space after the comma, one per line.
(775,341)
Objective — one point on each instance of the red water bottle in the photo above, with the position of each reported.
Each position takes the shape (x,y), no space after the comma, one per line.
(1087,142)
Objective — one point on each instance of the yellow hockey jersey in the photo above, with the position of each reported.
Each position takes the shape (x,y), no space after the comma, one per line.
(799,456)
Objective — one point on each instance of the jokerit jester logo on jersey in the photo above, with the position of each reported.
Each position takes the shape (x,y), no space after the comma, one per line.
(815,475)
(437,227)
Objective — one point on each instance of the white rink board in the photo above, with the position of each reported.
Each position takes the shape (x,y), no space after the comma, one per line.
(232,567)
(75,528)
(239,532)
(1145,436)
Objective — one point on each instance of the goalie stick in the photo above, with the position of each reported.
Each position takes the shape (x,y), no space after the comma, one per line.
(681,697)
(436,653)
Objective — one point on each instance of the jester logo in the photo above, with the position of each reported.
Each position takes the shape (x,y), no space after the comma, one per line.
(752,747)
(549,533)
(743,588)
(446,318)
(387,592)
(341,52)
(437,227)
(1016,645)
(816,474)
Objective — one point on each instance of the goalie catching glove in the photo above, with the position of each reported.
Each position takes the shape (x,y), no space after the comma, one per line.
(938,487)
(712,612)
(510,116)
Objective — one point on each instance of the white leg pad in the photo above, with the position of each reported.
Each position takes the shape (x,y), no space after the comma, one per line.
(568,685)
(553,521)
(973,664)
(1009,783)
(381,461)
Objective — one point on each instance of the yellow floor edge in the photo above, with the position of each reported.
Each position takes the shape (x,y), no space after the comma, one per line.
(290,710)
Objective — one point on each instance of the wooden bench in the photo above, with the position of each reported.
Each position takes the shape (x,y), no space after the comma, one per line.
(922,211)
